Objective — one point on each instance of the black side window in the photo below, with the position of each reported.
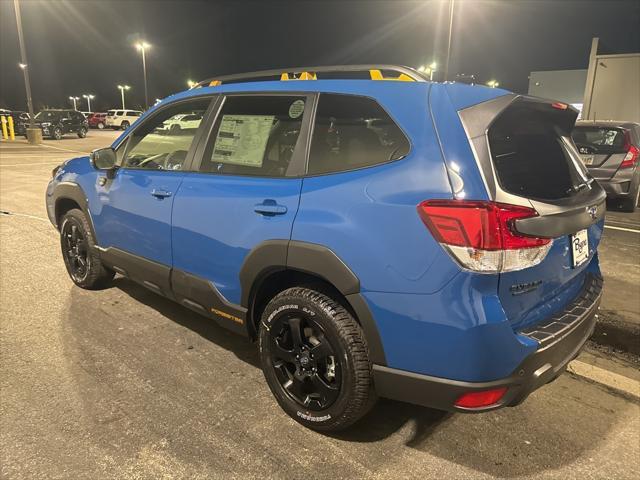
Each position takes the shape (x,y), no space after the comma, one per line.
(255,135)
(353,132)
(154,145)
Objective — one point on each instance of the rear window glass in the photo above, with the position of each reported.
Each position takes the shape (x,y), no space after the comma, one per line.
(599,140)
(353,132)
(529,155)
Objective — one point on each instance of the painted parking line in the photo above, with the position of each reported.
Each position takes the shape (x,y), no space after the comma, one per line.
(50,162)
(610,379)
(633,230)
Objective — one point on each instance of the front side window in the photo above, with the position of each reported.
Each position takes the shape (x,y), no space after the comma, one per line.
(353,132)
(151,146)
(255,135)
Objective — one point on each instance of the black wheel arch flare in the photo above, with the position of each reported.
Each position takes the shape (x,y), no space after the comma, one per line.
(317,260)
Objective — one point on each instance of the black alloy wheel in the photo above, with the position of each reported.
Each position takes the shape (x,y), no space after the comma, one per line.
(75,250)
(305,361)
(57,133)
(315,359)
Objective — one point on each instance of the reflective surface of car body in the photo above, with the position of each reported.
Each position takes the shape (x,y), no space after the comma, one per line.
(611,152)
(380,235)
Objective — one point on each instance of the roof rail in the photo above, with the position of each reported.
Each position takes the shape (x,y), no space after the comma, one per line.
(311,73)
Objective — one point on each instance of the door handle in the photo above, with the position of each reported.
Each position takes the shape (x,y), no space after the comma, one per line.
(159,193)
(270,208)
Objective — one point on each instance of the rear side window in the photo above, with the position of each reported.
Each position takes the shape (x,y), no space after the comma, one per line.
(529,154)
(255,135)
(353,132)
(599,140)
(119,113)
(111,113)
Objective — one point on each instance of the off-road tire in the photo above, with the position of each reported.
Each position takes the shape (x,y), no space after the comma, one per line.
(357,395)
(97,276)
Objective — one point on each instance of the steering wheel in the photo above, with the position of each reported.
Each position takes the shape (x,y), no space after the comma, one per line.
(175,159)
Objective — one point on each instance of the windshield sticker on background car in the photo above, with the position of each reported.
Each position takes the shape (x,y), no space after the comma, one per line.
(242,139)
(296,109)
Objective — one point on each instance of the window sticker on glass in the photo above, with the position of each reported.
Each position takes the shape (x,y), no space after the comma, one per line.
(242,139)
(296,109)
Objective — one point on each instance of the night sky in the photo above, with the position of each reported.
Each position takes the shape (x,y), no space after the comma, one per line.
(82,47)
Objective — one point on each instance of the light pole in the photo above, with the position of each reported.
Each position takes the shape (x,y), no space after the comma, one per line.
(448,57)
(74,100)
(122,89)
(24,65)
(89,97)
(142,46)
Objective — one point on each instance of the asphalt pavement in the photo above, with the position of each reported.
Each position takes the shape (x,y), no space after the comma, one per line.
(122,383)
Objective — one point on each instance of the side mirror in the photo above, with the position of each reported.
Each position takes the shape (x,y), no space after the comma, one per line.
(104,159)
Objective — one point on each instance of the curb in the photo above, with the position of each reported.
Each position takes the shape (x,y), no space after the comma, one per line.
(614,382)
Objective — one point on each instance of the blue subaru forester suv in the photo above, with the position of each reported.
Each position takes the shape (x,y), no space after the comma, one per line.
(377,234)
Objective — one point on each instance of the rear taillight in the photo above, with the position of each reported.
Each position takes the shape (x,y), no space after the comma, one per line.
(481,235)
(631,158)
(482,399)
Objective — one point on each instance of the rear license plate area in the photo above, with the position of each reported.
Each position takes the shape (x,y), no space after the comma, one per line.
(579,247)
(587,159)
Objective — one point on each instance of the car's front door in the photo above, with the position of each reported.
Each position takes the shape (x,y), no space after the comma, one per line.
(245,191)
(134,221)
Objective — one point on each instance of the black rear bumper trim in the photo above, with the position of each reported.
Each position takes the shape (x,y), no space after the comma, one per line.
(538,369)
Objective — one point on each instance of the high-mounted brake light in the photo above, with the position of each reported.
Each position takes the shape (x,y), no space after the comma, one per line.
(631,158)
(560,106)
(482,236)
(481,399)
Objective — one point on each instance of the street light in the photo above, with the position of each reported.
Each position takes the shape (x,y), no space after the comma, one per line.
(143,46)
(89,97)
(74,100)
(191,83)
(429,69)
(22,65)
(493,83)
(122,89)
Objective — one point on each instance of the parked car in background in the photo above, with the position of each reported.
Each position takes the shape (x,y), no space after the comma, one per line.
(433,243)
(57,123)
(181,123)
(20,122)
(610,151)
(97,120)
(121,119)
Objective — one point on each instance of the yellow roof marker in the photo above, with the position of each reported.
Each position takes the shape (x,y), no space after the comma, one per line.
(215,83)
(377,75)
(303,76)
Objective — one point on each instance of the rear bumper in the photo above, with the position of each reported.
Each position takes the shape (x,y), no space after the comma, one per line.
(560,339)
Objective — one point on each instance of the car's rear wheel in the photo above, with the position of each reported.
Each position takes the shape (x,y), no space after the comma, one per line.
(79,253)
(82,133)
(315,359)
(630,204)
(124,125)
(57,133)
(100,126)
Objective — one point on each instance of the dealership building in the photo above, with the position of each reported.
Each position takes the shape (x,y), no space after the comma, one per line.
(609,89)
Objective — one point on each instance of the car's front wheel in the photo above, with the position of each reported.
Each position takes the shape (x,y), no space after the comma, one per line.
(100,126)
(124,125)
(57,133)
(82,133)
(79,253)
(315,359)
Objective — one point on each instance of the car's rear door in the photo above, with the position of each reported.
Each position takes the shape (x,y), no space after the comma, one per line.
(133,222)
(244,190)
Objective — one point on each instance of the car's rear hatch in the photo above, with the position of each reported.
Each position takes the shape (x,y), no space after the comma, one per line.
(524,150)
(602,148)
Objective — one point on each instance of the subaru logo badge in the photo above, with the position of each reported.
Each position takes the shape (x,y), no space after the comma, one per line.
(593,212)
